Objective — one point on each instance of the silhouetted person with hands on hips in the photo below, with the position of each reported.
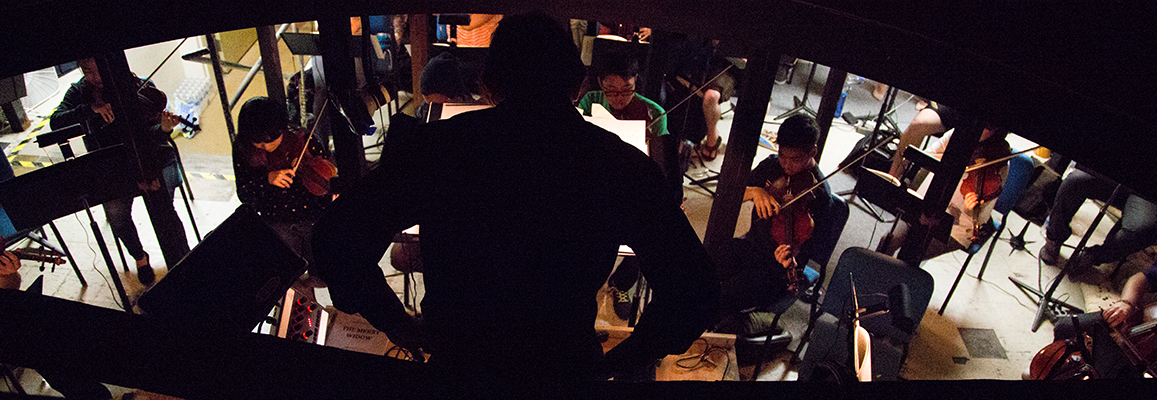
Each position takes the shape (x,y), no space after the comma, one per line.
(522,208)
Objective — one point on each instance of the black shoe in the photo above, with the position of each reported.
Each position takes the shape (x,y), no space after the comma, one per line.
(145,273)
(1081,263)
(1050,253)
(623,302)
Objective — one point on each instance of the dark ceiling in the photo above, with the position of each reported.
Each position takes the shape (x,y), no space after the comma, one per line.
(1077,77)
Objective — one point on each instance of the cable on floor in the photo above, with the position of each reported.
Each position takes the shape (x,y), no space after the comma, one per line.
(696,361)
(107,283)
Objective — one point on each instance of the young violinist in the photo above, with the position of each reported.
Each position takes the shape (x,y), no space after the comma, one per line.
(973,199)
(758,266)
(92,104)
(265,153)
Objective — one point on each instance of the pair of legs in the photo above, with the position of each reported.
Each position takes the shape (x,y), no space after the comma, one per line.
(168,227)
(1136,230)
(927,122)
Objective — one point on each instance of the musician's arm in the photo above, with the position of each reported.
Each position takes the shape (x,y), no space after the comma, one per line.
(73,109)
(1131,296)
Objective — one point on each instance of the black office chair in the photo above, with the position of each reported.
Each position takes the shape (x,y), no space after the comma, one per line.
(877,277)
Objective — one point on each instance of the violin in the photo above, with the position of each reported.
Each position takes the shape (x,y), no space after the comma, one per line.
(793,224)
(314,172)
(154,101)
(984,179)
(43,255)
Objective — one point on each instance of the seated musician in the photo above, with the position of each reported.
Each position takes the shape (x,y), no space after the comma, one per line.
(755,270)
(442,81)
(617,77)
(1108,358)
(91,103)
(264,154)
(1136,230)
(971,211)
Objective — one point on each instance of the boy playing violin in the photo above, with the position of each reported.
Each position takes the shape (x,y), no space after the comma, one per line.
(265,153)
(755,271)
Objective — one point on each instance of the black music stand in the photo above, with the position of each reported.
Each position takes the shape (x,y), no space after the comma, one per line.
(869,145)
(230,280)
(39,197)
(801,104)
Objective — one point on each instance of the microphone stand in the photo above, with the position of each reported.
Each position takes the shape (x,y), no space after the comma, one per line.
(1044,311)
(869,147)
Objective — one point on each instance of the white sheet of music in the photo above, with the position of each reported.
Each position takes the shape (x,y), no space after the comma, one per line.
(632,132)
(452,109)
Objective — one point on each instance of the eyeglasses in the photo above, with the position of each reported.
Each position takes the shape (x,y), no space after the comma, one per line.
(618,93)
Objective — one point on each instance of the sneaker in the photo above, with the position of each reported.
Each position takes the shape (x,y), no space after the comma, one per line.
(623,302)
(1050,253)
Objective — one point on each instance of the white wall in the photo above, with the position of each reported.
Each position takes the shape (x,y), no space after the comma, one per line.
(143,60)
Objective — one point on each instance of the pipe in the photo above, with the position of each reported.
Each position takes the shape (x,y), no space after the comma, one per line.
(252,72)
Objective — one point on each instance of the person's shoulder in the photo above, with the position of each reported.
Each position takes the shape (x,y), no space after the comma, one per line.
(651,104)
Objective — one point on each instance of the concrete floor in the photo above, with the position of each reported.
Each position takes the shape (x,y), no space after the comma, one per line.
(937,352)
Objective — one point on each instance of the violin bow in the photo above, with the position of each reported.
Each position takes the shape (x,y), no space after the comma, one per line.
(1005,158)
(821,182)
(693,94)
(158,68)
(306,145)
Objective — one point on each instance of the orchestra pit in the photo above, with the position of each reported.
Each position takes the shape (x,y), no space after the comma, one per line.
(177,227)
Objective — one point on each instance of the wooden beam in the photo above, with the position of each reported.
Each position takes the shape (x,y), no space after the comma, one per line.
(750,112)
(271,62)
(419,52)
(340,79)
(828,102)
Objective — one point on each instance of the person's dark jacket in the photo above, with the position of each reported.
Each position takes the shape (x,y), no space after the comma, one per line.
(522,208)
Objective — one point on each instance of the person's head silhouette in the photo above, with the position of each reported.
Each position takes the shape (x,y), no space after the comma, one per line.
(532,58)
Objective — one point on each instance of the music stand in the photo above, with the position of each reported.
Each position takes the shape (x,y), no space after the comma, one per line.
(230,280)
(801,104)
(869,145)
(41,196)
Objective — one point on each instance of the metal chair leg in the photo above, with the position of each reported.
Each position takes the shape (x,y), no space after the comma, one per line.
(67,254)
(957,282)
(121,251)
(189,209)
(181,169)
(992,245)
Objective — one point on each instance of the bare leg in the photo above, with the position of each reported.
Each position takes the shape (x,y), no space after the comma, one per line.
(711,115)
(926,122)
(879,90)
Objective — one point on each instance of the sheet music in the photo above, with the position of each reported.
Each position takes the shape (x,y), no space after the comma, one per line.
(598,111)
(632,132)
(451,109)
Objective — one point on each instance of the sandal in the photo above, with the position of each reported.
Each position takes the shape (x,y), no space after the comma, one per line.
(709,152)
